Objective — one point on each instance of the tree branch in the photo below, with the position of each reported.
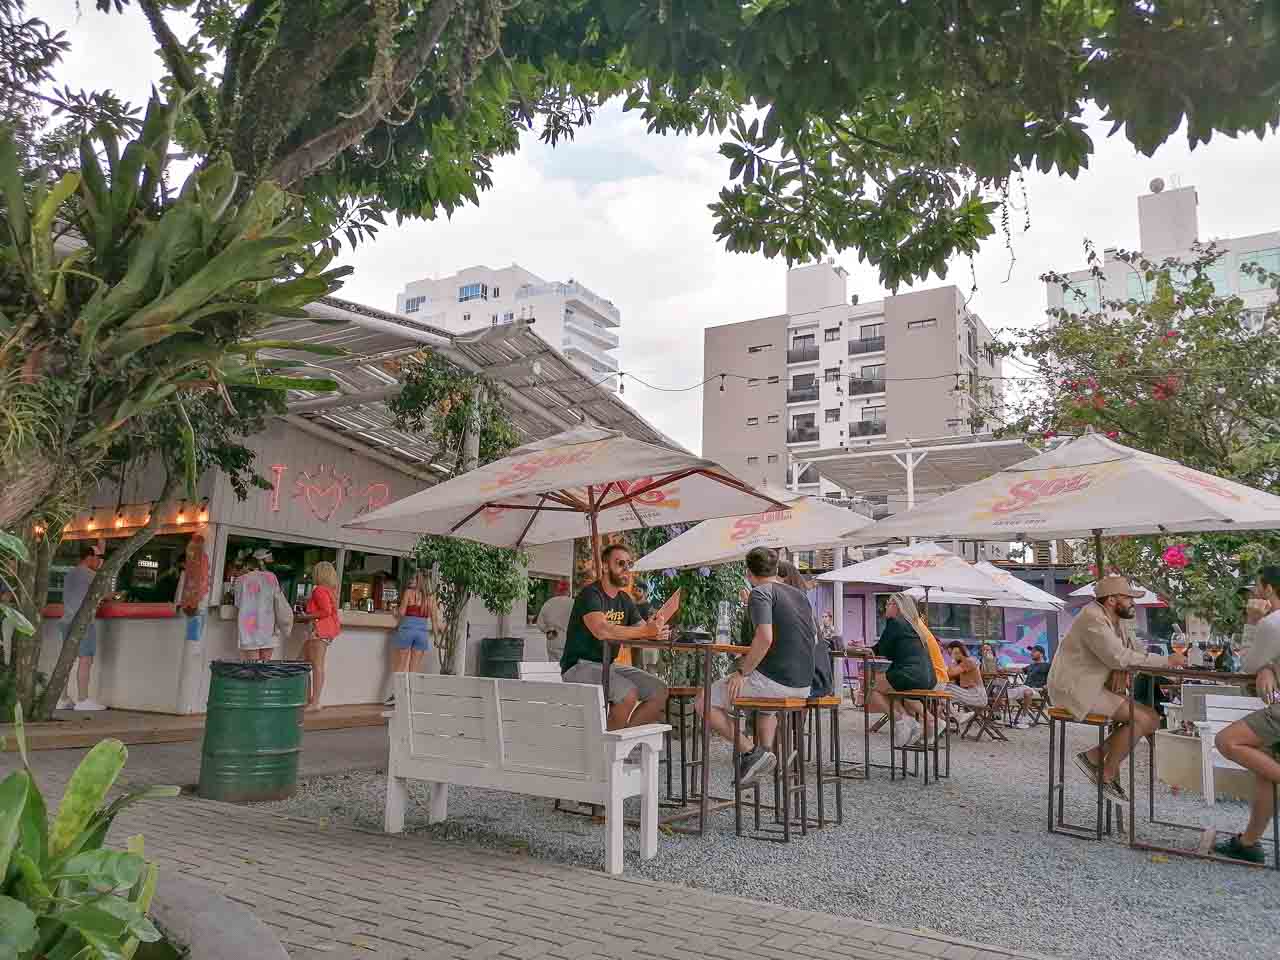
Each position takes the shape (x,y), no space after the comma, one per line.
(315,153)
(174,58)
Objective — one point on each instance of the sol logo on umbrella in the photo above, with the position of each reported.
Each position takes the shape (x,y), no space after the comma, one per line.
(1206,483)
(521,471)
(745,527)
(911,564)
(1027,493)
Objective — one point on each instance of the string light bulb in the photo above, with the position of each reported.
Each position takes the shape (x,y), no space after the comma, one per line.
(182,512)
(204,510)
(119,519)
(90,525)
(722,383)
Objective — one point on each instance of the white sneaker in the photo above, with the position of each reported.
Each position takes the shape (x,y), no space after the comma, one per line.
(964,716)
(905,731)
(88,706)
(66,703)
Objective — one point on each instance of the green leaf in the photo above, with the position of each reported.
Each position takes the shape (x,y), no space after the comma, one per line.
(104,869)
(42,230)
(188,434)
(111,918)
(17,928)
(11,184)
(126,343)
(85,792)
(13,615)
(35,823)
(13,799)
(15,546)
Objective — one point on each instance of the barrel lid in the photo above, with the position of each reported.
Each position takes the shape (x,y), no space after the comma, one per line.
(259,669)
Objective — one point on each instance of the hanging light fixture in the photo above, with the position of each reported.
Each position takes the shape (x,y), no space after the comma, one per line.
(119,519)
(204,510)
(182,512)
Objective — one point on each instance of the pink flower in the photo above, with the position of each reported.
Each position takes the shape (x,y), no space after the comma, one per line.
(1049,434)
(1175,557)
(1113,434)
(1171,335)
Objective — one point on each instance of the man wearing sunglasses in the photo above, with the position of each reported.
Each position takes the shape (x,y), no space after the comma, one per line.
(603,612)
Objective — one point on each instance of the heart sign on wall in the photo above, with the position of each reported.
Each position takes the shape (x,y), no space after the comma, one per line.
(322,491)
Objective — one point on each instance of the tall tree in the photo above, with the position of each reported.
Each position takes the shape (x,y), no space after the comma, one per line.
(1181,371)
(892,128)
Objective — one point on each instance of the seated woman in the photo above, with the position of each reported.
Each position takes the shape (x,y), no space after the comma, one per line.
(910,666)
(988,655)
(965,680)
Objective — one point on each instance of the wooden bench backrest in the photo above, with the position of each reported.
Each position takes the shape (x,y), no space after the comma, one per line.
(510,726)
(548,670)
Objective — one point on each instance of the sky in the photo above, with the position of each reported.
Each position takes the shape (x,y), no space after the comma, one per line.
(626,214)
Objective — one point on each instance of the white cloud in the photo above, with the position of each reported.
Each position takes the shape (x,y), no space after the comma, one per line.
(626,214)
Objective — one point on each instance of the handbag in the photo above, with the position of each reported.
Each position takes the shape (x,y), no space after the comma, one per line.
(283,613)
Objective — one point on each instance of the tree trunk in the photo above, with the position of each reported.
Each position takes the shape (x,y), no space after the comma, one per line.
(25,653)
(26,485)
(447,643)
(44,704)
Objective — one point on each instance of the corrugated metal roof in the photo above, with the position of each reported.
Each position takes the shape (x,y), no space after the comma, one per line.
(541,390)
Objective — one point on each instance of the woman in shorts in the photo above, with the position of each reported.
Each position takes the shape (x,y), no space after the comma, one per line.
(322,610)
(910,666)
(411,641)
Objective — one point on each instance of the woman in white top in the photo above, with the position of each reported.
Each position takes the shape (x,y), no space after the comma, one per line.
(255,602)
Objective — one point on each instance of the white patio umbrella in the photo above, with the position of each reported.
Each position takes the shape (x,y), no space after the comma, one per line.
(803,522)
(1036,599)
(1085,487)
(576,484)
(963,600)
(929,566)
(1148,599)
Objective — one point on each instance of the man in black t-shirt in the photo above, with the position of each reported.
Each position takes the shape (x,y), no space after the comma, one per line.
(1037,676)
(779,664)
(603,612)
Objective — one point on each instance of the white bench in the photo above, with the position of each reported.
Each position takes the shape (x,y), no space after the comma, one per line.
(546,739)
(547,671)
(1219,712)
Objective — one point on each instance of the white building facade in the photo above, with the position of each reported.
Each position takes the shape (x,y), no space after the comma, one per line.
(574,318)
(1169,226)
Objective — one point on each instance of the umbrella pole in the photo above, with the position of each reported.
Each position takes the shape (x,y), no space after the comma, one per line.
(1097,553)
(595,559)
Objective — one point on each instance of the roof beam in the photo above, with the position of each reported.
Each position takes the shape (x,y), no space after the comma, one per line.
(345,400)
(355,446)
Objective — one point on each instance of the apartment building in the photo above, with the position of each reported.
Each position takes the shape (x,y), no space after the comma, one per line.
(579,321)
(1169,226)
(833,373)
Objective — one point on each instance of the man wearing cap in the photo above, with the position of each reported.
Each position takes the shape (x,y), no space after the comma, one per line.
(1037,675)
(1087,676)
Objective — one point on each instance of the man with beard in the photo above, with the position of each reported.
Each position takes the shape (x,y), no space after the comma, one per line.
(602,612)
(1087,676)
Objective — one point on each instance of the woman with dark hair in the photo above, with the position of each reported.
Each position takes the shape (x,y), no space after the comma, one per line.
(824,670)
(910,666)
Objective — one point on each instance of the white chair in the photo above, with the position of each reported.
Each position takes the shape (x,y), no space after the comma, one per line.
(1219,713)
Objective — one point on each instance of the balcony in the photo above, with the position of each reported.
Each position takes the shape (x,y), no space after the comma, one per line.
(866,345)
(867,428)
(803,354)
(802,394)
(859,386)
(803,435)
(577,294)
(599,335)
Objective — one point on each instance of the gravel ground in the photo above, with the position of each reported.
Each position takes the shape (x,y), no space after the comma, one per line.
(968,857)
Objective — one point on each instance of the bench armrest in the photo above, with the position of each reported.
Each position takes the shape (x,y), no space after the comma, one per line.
(636,733)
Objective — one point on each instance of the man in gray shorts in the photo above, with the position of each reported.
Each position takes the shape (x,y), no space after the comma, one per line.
(603,612)
(1254,742)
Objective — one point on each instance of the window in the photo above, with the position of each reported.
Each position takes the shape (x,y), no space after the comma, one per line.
(754,381)
(922,324)
(473,291)
(872,330)
(760,348)
(753,421)
(1267,259)
(873,414)
(1219,275)
(803,380)
(804,341)
(773,458)
(508,317)
(494,320)
(803,420)
(832,416)
(831,334)
(773,379)
(1083,296)
(495,293)
(413,304)
(873,371)
(752,461)
(831,375)
(466,318)
(773,418)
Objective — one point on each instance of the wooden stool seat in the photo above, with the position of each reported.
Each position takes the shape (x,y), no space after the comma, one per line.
(929,700)
(1090,719)
(831,701)
(771,703)
(920,694)
(683,691)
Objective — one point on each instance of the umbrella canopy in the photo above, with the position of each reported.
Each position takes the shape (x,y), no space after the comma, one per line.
(924,565)
(803,522)
(1086,485)
(1036,599)
(1148,599)
(571,485)
(962,600)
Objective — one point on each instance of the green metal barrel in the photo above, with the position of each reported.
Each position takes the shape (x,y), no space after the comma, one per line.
(253,730)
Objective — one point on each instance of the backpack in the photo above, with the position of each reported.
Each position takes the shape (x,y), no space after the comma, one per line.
(824,668)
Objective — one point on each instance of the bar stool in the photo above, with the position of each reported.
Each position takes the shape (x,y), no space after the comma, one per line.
(1058,720)
(931,701)
(789,778)
(689,758)
(814,707)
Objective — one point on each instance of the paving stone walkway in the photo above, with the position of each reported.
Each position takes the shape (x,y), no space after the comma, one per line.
(333,892)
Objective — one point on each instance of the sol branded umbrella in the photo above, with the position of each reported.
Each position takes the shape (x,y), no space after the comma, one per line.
(803,522)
